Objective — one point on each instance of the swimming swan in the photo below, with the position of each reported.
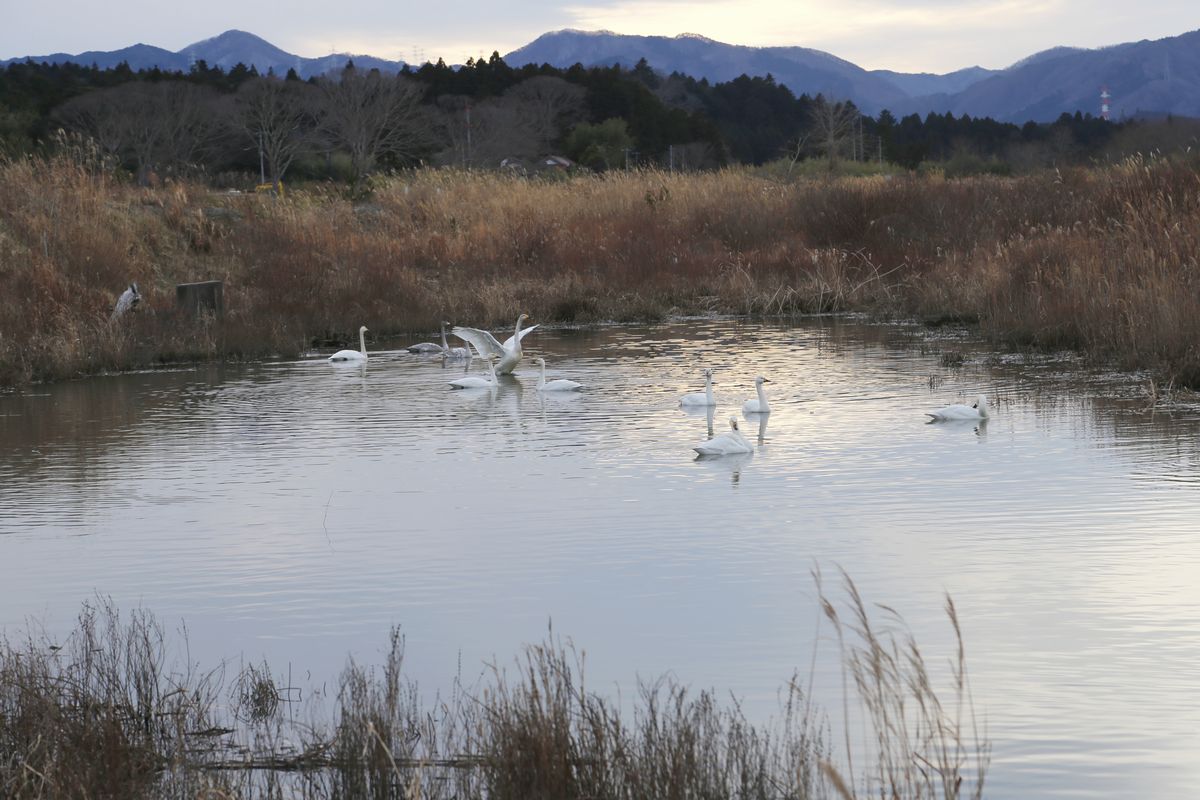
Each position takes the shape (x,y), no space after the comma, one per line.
(443,349)
(727,444)
(704,398)
(509,353)
(959,411)
(353,355)
(559,385)
(453,352)
(760,405)
(476,382)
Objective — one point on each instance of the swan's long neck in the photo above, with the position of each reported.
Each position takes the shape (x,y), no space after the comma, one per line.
(492,369)
(542,380)
(517,337)
(708,395)
(362,343)
(762,398)
(445,346)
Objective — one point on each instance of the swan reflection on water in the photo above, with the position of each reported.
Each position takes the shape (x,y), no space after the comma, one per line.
(763,419)
(707,411)
(720,464)
(351,372)
(954,426)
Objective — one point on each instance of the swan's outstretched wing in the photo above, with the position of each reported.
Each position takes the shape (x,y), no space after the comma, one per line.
(509,341)
(484,342)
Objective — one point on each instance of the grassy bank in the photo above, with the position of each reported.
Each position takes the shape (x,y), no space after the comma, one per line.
(1103,260)
(107,712)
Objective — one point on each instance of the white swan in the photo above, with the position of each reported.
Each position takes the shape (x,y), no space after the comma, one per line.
(509,353)
(728,443)
(476,382)
(704,398)
(959,411)
(559,385)
(759,405)
(353,355)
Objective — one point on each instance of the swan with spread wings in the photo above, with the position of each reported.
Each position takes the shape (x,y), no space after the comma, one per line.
(509,353)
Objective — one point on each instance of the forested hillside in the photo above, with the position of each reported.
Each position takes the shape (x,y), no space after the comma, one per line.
(228,123)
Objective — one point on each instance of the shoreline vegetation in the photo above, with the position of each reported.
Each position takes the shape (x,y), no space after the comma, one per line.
(1102,260)
(119,709)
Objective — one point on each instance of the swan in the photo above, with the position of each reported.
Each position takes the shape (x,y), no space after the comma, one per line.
(729,443)
(353,355)
(759,405)
(978,411)
(559,385)
(453,352)
(509,353)
(476,382)
(443,349)
(704,398)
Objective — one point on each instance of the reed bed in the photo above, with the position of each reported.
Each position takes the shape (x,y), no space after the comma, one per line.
(118,710)
(1103,260)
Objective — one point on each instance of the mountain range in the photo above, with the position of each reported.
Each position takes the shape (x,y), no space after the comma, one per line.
(225,51)
(1145,77)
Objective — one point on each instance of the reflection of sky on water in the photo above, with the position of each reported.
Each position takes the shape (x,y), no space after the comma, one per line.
(296,510)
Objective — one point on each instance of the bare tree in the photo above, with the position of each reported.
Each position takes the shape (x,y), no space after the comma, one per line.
(549,105)
(372,115)
(154,126)
(832,126)
(277,117)
(485,133)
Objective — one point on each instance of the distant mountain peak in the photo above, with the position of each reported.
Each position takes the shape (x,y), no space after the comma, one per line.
(580,32)
(1046,55)
(698,37)
(231,36)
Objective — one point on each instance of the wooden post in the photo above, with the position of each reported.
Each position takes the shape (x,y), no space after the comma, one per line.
(195,297)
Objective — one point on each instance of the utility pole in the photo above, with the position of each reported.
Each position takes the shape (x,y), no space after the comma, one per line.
(468,153)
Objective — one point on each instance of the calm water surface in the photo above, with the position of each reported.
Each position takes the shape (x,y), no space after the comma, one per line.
(295,510)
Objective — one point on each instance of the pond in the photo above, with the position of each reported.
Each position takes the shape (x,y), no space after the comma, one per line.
(295,510)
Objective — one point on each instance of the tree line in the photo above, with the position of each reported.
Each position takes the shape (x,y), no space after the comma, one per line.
(485,113)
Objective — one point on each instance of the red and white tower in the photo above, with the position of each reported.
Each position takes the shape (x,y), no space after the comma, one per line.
(1104,98)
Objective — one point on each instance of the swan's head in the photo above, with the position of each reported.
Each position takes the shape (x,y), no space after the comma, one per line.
(760,380)
(541,361)
(733,423)
(362,328)
(133,288)
(982,405)
(522,318)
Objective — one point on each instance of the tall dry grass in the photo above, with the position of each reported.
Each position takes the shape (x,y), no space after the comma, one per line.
(118,710)
(1102,259)
(923,741)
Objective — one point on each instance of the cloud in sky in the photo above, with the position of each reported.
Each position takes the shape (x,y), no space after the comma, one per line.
(907,35)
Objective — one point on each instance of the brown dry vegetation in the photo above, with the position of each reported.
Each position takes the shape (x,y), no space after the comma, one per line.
(109,712)
(1103,260)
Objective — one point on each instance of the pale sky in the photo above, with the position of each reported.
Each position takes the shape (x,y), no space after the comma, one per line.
(904,35)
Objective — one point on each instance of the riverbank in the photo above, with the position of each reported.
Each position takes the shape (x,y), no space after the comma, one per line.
(1100,260)
(109,711)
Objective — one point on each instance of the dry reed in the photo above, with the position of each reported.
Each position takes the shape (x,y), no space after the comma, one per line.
(1104,259)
